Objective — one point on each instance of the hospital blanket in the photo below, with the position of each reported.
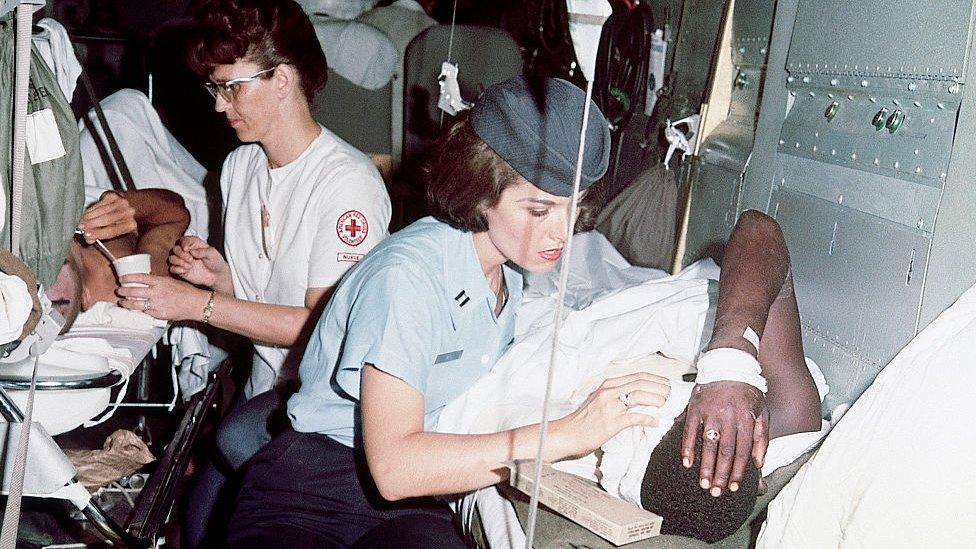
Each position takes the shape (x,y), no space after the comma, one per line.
(897,469)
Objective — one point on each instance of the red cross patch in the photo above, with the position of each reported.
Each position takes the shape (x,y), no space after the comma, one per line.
(352,228)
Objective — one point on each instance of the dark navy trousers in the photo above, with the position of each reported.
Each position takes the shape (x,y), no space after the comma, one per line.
(307,490)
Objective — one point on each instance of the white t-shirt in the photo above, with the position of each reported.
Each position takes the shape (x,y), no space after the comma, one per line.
(296,227)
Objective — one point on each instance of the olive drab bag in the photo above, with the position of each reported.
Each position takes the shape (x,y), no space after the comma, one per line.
(53,195)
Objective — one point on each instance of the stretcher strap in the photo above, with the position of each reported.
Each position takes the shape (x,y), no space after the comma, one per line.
(557,320)
(22,52)
(119,167)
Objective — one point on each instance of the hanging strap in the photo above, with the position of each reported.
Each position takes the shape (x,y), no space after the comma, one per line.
(117,161)
(22,53)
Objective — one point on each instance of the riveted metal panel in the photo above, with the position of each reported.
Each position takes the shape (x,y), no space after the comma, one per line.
(837,126)
(728,146)
(906,203)
(752,21)
(714,209)
(890,38)
(858,280)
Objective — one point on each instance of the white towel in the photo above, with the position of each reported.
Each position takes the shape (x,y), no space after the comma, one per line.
(15,307)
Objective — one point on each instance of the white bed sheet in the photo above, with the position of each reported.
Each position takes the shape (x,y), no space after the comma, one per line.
(104,338)
(897,469)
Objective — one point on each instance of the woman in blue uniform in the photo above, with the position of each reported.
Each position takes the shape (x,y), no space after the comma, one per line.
(417,322)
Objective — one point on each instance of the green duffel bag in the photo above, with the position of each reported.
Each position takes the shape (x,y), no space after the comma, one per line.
(53,195)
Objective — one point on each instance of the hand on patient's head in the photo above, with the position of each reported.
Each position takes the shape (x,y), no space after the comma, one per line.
(730,420)
(671,490)
(108,218)
(608,410)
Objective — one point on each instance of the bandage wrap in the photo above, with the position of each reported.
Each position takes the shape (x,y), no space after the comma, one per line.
(727,364)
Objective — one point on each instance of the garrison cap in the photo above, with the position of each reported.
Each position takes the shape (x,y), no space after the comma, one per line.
(542,144)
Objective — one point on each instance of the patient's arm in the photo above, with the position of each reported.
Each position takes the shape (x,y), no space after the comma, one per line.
(158,216)
(755,291)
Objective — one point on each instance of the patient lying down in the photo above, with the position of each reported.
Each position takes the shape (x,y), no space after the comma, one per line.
(727,425)
(700,468)
(142,221)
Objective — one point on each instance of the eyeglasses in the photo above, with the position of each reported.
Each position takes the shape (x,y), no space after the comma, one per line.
(228,90)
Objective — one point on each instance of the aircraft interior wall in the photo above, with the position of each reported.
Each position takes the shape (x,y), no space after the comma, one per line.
(861,152)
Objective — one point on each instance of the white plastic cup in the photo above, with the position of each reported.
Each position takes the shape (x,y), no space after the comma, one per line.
(132,264)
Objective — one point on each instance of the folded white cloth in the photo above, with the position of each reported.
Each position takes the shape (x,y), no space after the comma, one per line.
(15,307)
(103,313)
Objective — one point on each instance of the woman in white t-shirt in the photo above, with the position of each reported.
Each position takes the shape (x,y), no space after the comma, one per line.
(300,206)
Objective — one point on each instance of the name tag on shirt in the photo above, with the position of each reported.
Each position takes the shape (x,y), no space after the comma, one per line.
(447,357)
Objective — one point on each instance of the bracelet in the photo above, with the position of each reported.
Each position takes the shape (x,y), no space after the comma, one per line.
(208,309)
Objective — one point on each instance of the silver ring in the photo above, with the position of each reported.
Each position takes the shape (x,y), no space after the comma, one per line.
(711,435)
(146,306)
(625,398)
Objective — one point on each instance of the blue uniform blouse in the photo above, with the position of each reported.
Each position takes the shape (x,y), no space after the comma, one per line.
(417,307)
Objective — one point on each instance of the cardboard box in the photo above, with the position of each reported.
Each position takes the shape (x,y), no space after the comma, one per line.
(584,503)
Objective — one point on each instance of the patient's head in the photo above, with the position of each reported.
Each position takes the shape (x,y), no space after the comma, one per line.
(67,292)
(672,491)
(85,278)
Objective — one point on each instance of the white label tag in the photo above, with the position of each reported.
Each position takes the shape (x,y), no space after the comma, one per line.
(43,138)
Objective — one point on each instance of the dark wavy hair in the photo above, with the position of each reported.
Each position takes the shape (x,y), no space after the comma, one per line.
(265,32)
(465,177)
(672,491)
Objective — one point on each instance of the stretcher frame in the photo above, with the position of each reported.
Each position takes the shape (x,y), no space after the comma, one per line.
(151,510)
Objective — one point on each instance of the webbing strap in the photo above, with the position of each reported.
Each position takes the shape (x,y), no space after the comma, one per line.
(127,183)
(22,52)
